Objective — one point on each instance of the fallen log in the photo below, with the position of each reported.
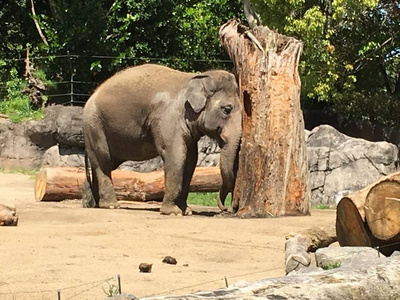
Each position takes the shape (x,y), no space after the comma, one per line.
(371,216)
(56,184)
(298,246)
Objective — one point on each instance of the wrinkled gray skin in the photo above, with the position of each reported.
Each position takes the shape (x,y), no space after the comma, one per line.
(150,110)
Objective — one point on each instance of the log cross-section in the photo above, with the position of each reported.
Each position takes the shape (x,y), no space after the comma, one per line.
(371,216)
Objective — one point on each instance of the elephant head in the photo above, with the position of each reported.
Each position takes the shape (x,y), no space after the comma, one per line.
(215,96)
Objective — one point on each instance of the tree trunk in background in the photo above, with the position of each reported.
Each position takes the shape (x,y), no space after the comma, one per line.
(273,178)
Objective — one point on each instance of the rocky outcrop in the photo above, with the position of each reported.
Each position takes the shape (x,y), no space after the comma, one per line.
(23,145)
(340,164)
(363,275)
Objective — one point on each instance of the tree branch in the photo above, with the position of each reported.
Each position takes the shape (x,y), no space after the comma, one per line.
(37,24)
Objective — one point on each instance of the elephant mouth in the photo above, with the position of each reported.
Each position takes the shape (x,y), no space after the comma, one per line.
(219,131)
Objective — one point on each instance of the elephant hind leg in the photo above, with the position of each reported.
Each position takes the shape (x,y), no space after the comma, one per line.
(88,199)
(101,186)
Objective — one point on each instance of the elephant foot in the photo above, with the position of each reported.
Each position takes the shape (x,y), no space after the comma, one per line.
(188,211)
(168,209)
(109,204)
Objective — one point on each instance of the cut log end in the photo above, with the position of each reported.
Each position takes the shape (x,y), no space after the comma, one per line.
(382,209)
(350,228)
(40,185)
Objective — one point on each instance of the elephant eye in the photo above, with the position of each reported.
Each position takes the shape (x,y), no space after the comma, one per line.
(227,109)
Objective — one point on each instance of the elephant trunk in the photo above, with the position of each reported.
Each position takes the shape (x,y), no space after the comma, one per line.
(231,135)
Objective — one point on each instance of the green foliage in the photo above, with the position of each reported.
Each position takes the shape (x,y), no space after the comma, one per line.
(331,266)
(206,199)
(350,61)
(16,104)
(31,172)
(321,206)
(112,290)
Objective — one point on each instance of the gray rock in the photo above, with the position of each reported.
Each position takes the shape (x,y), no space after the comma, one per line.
(340,164)
(63,157)
(296,255)
(208,156)
(143,166)
(333,257)
(377,279)
(17,151)
(69,126)
(395,255)
(42,133)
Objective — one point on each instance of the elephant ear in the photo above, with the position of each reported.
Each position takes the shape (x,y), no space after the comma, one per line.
(199,88)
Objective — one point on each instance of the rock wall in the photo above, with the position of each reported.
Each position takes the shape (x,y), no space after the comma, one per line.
(338,163)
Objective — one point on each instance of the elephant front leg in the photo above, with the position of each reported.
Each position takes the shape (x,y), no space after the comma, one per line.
(178,168)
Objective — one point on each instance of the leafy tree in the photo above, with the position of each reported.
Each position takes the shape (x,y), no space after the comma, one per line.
(95,38)
(351,53)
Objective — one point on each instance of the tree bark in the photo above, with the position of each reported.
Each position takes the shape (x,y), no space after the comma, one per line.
(55,184)
(273,179)
(371,216)
(39,30)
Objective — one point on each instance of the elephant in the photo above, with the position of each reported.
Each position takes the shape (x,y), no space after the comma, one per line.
(149,110)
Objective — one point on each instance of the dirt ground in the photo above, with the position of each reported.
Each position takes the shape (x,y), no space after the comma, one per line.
(62,246)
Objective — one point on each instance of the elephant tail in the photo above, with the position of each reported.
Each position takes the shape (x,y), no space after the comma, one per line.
(87,194)
(87,171)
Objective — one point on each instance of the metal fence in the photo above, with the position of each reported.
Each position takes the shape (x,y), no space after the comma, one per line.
(76,91)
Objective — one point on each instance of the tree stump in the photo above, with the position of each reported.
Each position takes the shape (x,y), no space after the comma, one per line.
(371,216)
(272,179)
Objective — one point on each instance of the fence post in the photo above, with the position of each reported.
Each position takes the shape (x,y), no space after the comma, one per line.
(119,284)
(72,90)
(71,100)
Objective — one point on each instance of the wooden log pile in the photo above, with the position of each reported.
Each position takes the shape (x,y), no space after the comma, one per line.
(371,216)
(60,183)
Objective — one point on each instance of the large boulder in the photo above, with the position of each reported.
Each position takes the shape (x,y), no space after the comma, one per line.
(340,164)
(17,151)
(69,127)
(60,156)
(23,145)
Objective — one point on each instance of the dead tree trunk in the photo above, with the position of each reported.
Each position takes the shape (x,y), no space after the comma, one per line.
(273,178)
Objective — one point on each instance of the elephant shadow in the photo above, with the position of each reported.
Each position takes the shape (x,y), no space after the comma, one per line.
(196,212)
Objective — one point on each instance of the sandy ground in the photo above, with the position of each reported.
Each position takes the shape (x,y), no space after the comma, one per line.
(61,246)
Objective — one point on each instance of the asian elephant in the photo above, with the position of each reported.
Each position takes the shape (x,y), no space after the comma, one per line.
(150,110)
